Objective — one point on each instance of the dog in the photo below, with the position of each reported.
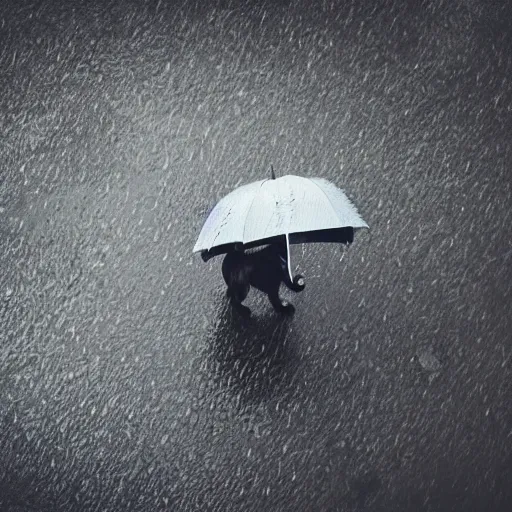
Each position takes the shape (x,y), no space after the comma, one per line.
(264,269)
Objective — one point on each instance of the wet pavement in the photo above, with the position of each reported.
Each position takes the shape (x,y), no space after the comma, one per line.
(126,381)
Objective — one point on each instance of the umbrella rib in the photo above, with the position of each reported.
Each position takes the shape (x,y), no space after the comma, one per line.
(328,200)
(250,208)
(223,223)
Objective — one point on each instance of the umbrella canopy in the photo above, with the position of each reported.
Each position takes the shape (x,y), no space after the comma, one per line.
(303,209)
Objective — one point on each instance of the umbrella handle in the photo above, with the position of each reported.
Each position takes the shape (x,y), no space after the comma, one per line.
(288,257)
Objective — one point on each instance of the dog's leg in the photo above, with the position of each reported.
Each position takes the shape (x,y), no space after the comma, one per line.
(280,305)
(229,263)
(237,294)
(235,277)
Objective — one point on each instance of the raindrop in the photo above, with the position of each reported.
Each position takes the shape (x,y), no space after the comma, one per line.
(428,360)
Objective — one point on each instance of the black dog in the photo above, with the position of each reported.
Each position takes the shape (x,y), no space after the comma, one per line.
(264,269)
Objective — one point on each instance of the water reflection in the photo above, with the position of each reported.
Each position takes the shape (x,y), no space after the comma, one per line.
(254,358)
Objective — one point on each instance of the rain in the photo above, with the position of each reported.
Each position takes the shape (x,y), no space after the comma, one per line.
(128,383)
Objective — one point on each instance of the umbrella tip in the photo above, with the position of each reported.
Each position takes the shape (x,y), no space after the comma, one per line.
(273,174)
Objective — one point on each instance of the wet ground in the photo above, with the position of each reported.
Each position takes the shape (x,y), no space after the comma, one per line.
(126,381)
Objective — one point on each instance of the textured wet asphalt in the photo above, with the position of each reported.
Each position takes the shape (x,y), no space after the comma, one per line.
(127,384)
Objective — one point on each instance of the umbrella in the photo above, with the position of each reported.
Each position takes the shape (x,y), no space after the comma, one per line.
(304,210)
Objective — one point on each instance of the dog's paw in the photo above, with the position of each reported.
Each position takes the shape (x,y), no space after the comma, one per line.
(287,308)
(243,311)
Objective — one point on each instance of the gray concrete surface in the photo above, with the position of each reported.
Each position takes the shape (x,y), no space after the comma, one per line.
(126,383)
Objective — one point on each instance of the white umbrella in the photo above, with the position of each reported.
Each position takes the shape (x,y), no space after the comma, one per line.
(302,209)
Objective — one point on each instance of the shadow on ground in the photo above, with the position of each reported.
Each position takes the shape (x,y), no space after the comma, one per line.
(254,358)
